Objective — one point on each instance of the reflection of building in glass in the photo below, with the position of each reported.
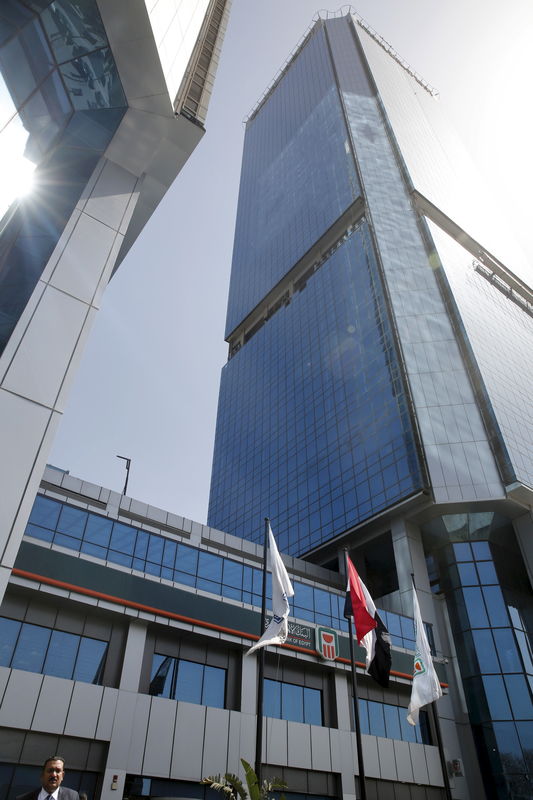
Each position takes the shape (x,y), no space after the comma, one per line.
(378,389)
(106,106)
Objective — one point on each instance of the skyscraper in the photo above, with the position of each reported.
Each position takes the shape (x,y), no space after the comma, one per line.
(377,392)
(104,105)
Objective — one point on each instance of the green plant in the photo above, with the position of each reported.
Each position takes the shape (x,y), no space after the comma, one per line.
(232,786)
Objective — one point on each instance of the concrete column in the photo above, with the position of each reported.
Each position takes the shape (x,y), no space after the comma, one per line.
(133,656)
(249,685)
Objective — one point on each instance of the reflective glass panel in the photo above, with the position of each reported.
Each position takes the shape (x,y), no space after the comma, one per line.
(162,675)
(292,702)
(45,512)
(72,521)
(312,706)
(31,648)
(376,719)
(61,654)
(123,538)
(189,682)
(90,661)
(272,699)
(496,697)
(98,530)
(214,687)
(507,650)
(9,631)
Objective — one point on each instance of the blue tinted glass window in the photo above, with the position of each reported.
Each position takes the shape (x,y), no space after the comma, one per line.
(155,549)
(94,550)
(189,682)
(90,660)
(496,697)
(292,702)
(509,745)
(31,648)
(72,521)
(169,556)
(467,574)
(187,559)
(408,628)
(496,607)
(98,530)
(45,512)
(61,654)
(119,558)
(519,696)
(210,567)
(475,608)
(39,533)
(392,721)
(123,538)
(363,716)
(312,706)
(481,551)
(487,572)
(141,544)
(232,575)
(486,654)
(408,731)
(507,650)
(214,687)
(376,719)
(162,675)
(272,699)
(9,631)
(462,551)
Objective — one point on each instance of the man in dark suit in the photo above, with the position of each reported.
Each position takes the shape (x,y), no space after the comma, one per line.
(51,779)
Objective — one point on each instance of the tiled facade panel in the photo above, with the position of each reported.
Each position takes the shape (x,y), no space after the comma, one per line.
(40,359)
(488,316)
(426,335)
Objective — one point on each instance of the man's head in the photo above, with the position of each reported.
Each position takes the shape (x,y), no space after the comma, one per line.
(53,773)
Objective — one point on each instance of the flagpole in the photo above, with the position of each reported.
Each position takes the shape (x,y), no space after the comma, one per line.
(440,746)
(261,665)
(358,739)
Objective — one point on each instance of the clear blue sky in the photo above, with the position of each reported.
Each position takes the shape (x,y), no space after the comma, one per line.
(148,385)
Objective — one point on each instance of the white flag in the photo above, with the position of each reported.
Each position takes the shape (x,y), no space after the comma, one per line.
(276,633)
(426,685)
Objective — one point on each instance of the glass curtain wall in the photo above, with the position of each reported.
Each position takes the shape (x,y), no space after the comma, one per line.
(476,563)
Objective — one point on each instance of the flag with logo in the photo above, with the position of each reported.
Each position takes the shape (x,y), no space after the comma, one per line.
(426,686)
(277,630)
(369,628)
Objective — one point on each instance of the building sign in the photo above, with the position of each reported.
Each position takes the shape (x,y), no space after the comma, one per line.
(327,643)
(299,635)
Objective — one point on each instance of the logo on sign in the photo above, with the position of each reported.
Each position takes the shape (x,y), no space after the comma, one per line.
(327,643)
(419,666)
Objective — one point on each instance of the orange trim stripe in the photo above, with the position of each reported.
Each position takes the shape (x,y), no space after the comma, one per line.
(71,587)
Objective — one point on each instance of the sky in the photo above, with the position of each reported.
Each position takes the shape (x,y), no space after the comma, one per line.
(147,387)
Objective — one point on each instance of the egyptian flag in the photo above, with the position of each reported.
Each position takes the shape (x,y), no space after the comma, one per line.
(369,629)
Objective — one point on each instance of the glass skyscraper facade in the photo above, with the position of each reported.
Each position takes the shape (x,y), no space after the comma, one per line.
(377,391)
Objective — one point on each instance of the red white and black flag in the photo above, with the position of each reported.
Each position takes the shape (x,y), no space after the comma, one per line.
(369,628)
